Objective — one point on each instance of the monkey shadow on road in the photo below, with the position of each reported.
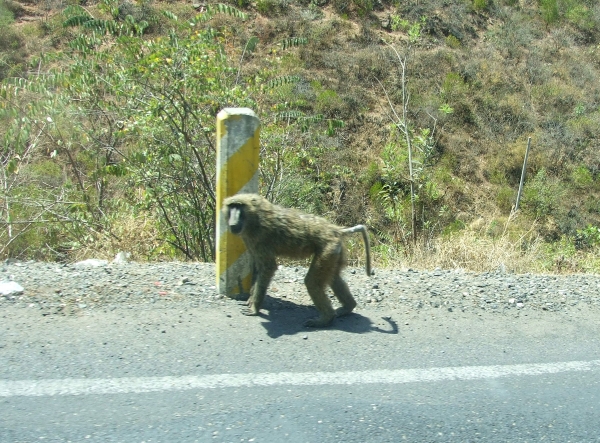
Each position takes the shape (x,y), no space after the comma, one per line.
(287,318)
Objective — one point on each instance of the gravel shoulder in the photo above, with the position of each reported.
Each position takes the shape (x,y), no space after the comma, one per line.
(59,289)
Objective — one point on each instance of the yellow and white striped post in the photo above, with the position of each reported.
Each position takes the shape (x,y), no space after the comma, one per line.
(238,145)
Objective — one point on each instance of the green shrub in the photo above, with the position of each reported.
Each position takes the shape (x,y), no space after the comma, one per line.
(549,10)
(7,16)
(541,196)
(453,87)
(582,177)
(453,227)
(452,42)
(592,203)
(581,17)
(505,198)
(495,229)
(375,190)
(329,103)
(12,44)
(587,238)
(480,5)
(240,3)
(360,7)
(272,7)
(300,192)
(12,52)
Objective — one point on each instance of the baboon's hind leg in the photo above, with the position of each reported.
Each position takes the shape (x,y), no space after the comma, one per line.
(316,280)
(340,287)
(342,293)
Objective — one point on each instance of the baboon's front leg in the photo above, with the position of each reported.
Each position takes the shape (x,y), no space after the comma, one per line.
(264,273)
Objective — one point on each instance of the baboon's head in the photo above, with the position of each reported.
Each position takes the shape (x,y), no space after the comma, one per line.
(240,212)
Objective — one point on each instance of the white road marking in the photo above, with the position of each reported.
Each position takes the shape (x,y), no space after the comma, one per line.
(74,386)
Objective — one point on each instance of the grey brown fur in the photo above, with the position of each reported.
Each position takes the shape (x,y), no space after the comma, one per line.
(269,231)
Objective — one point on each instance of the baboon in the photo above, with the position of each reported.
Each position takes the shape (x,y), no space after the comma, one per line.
(269,231)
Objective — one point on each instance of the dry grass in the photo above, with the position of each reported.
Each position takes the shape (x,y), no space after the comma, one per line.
(470,251)
(491,247)
(136,236)
(501,245)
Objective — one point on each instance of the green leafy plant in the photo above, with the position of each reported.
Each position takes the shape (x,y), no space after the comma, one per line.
(6,15)
(12,44)
(582,177)
(398,23)
(419,145)
(271,7)
(79,16)
(549,10)
(280,81)
(479,5)
(581,16)
(589,237)
(413,29)
(293,42)
(453,42)
(218,8)
(542,195)
(446,109)
(137,111)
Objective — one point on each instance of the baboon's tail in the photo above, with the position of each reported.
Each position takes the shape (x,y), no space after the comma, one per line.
(365,234)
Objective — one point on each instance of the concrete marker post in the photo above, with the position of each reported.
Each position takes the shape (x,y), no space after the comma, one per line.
(238,146)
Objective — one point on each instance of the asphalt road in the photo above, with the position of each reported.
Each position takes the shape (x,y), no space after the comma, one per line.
(209,374)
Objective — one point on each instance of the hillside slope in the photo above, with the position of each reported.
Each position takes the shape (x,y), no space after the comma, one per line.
(475,78)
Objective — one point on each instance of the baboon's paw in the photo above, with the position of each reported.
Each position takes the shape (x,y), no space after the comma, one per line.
(340,312)
(249,312)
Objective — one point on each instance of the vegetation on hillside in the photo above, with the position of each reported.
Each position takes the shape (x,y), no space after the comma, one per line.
(410,116)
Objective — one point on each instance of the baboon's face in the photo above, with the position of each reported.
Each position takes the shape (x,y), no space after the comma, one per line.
(235,218)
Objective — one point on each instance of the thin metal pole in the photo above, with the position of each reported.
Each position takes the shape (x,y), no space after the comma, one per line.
(523,174)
